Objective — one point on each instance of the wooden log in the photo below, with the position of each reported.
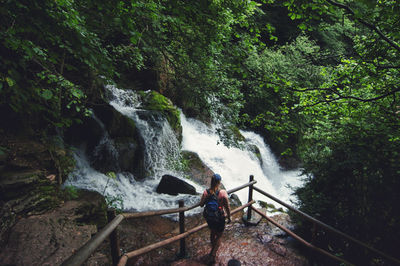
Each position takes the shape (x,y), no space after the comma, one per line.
(86,250)
(328,227)
(114,240)
(301,240)
(250,198)
(182,252)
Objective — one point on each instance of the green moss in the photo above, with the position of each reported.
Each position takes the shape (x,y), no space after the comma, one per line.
(67,164)
(270,207)
(92,214)
(70,193)
(157,102)
(236,133)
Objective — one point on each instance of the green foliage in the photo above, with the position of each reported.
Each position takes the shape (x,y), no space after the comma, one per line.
(44,45)
(111,175)
(270,91)
(70,193)
(350,142)
(115,202)
(155,101)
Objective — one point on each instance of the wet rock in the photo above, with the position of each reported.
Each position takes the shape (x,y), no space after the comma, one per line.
(24,193)
(264,239)
(235,201)
(254,220)
(198,171)
(88,134)
(116,124)
(152,100)
(50,238)
(282,219)
(278,249)
(173,186)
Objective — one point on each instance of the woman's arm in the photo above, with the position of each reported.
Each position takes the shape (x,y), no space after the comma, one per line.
(202,200)
(227,207)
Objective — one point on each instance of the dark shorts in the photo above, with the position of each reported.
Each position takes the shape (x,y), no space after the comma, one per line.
(218,226)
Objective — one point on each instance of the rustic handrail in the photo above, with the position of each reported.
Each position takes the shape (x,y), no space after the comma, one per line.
(328,227)
(176,210)
(304,242)
(86,250)
(144,250)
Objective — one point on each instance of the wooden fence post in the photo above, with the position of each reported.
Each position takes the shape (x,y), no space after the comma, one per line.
(250,198)
(114,240)
(182,252)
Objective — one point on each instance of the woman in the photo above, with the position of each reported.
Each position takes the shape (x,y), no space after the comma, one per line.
(216,228)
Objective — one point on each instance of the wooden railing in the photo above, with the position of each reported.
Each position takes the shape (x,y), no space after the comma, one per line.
(317,223)
(109,231)
(86,250)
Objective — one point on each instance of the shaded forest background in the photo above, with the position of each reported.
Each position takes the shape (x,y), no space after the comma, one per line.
(319,80)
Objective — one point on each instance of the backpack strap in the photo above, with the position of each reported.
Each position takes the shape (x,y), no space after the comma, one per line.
(209,192)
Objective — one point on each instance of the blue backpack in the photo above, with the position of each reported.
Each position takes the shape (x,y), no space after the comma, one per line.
(212,211)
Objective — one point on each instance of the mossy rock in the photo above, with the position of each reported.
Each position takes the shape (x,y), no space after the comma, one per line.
(238,137)
(256,151)
(152,100)
(117,124)
(93,210)
(198,171)
(270,207)
(24,193)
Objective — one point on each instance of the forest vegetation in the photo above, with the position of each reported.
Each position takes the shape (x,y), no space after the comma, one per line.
(319,80)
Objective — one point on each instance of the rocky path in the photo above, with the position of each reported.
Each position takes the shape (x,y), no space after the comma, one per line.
(263,244)
(50,238)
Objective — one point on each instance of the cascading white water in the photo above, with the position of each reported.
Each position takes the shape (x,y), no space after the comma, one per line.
(160,144)
(236,165)
(162,147)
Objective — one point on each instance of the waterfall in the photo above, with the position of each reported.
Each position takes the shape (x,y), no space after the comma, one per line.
(161,151)
(236,165)
(162,148)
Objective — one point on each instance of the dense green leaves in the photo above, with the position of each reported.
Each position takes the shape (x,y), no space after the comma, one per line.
(318,79)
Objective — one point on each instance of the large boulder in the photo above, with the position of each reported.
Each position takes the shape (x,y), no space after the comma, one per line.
(23,193)
(173,186)
(110,140)
(128,153)
(197,170)
(152,100)
(87,134)
(116,124)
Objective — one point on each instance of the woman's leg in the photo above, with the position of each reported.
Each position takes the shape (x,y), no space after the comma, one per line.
(215,242)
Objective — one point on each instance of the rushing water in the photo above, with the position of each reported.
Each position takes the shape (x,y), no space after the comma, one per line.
(161,146)
(236,165)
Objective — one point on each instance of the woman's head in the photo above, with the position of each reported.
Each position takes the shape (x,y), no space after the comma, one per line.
(215,180)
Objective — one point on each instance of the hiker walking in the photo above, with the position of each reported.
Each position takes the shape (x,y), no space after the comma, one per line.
(215,201)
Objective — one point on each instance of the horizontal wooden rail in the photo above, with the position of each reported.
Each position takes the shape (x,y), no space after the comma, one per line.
(241,187)
(86,250)
(328,227)
(301,240)
(168,241)
(176,210)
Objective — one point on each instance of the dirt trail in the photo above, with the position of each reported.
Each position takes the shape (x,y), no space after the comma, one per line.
(263,244)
